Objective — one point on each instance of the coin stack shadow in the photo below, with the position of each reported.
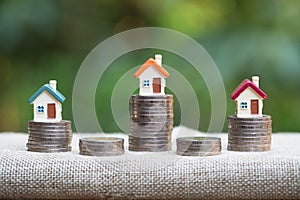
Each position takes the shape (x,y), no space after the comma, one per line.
(101,146)
(198,146)
(249,134)
(49,137)
(151,123)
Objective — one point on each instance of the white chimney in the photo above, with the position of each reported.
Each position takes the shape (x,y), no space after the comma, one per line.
(53,84)
(158,59)
(255,80)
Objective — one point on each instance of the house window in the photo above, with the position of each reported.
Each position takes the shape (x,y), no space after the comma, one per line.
(40,109)
(244,105)
(146,83)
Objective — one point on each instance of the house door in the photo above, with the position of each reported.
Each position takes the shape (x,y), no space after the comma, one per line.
(254,107)
(51,111)
(156,85)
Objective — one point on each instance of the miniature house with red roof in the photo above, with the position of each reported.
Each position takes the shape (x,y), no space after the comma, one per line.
(47,103)
(152,77)
(249,98)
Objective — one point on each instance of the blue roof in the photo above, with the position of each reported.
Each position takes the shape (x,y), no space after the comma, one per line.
(56,94)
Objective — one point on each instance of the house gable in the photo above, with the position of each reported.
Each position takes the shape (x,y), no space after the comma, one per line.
(151,62)
(56,94)
(248,93)
(245,85)
(44,98)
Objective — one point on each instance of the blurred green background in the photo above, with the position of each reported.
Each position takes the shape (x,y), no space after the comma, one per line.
(49,39)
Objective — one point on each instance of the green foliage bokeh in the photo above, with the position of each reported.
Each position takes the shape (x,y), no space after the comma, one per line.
(49,39)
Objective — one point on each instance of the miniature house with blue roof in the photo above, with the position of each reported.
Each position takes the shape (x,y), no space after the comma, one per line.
(47,103)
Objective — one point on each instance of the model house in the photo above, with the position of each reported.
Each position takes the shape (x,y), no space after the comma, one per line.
(152,77)
(47,103)
(249,98)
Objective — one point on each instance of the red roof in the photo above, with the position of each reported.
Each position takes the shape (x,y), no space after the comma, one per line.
(243,86)
(148,63)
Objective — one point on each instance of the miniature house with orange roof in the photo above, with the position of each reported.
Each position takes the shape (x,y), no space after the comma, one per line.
(249,99)
(152,77)
(47,103)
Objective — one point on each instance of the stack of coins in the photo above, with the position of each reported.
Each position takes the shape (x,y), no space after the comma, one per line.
(249,134)
(49,137)
(151,123)
(101,146)
(198,146)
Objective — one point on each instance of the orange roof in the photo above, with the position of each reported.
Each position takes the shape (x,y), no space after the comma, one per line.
(148,63)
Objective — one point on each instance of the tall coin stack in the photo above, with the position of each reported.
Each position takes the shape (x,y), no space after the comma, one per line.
(151,123)
(249,134)
(49,137)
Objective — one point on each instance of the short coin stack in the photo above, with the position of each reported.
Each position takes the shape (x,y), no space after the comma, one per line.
(101,146)
(198,146)
(49,137)
(151,123)
(249,134)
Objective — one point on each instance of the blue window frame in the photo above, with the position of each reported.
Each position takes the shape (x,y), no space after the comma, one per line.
(40,109)
(146,83)
(244,105)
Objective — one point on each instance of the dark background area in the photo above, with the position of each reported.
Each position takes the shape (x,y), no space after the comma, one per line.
(49,39)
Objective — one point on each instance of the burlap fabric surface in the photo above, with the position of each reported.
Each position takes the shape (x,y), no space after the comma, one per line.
(231,175)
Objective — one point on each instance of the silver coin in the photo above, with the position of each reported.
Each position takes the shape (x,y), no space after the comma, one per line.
(151,113)
(150,149)
(147,138)
(151,117)
(105,148)
(93,144)
(163,144)
(54,133)
(249,149)
(61,123)
(30,145)
(150,109)
(50,150)
(198,148)
(102,140)
(102,154)
(136,96)
(41,142)
(249,140)
(264,117)
(248,146)
(213,153)
(150,126)
(188,150)
(145,131)
(150,137)
(249,132)
(38,148)
(151,106)
(250,137)
(246,143)
(244,127)
(49,138)
(136,123)
(199,140)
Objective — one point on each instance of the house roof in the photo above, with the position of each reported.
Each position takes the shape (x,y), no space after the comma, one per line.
(243,86)
(55,93)
(148,63)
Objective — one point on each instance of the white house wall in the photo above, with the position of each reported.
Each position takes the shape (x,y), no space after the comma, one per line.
(149,74)
(246,96)
(42,100)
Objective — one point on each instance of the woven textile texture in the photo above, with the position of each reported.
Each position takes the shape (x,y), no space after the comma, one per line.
(231,175)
